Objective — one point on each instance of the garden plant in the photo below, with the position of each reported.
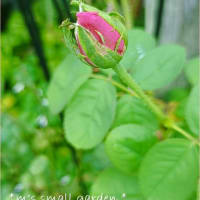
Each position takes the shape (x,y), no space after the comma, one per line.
(104,97)
(140,136)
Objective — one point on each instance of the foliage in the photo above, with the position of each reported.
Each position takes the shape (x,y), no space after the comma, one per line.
(171,164)
(87,132)
(69,76)
(164,65)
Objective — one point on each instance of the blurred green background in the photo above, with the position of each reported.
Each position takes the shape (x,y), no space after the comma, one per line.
(36,158)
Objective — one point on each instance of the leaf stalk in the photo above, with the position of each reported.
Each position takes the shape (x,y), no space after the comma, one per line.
(130,82)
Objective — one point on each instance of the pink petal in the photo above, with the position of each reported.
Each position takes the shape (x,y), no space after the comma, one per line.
(94,23)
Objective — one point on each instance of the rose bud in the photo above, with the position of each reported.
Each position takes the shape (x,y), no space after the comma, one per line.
(99,39)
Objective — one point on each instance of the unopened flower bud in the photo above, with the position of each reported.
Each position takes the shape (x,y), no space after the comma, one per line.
(99,39)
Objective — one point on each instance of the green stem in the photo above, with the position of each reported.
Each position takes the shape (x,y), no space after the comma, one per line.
(115,83)
(183,132)
(128,80)
(127,13)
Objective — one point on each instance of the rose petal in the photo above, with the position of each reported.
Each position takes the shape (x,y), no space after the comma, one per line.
(97,25)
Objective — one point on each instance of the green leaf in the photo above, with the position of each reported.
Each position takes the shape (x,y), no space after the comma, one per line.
(68,78)
(170,170)
(159,67)
(193,196)
(90,115)
(96,159)
(176,94)
(139,43)
(192,110)
(132,110)
(113,183)
(127,144)
(192,71)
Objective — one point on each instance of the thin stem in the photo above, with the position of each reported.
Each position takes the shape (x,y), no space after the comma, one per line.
(127,13)
(183,132)
(127,79)
(115,83)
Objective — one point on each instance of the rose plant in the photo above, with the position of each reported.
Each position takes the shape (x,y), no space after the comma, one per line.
(108,99)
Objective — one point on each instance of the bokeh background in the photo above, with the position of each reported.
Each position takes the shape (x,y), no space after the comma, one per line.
(35,158)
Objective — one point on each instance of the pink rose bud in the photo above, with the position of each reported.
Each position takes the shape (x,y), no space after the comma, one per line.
(101,38)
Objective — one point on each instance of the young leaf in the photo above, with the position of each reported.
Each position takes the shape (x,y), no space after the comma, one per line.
(90,114)
(132,110)
(159,67)
(192,110)
(116,185)
(139,43)
(170,170)
(192,70)
(68,77)
(127,144)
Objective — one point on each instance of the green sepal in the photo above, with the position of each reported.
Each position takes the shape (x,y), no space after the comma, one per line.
(117,16)
(71,43)
(67,28)
(100,55)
